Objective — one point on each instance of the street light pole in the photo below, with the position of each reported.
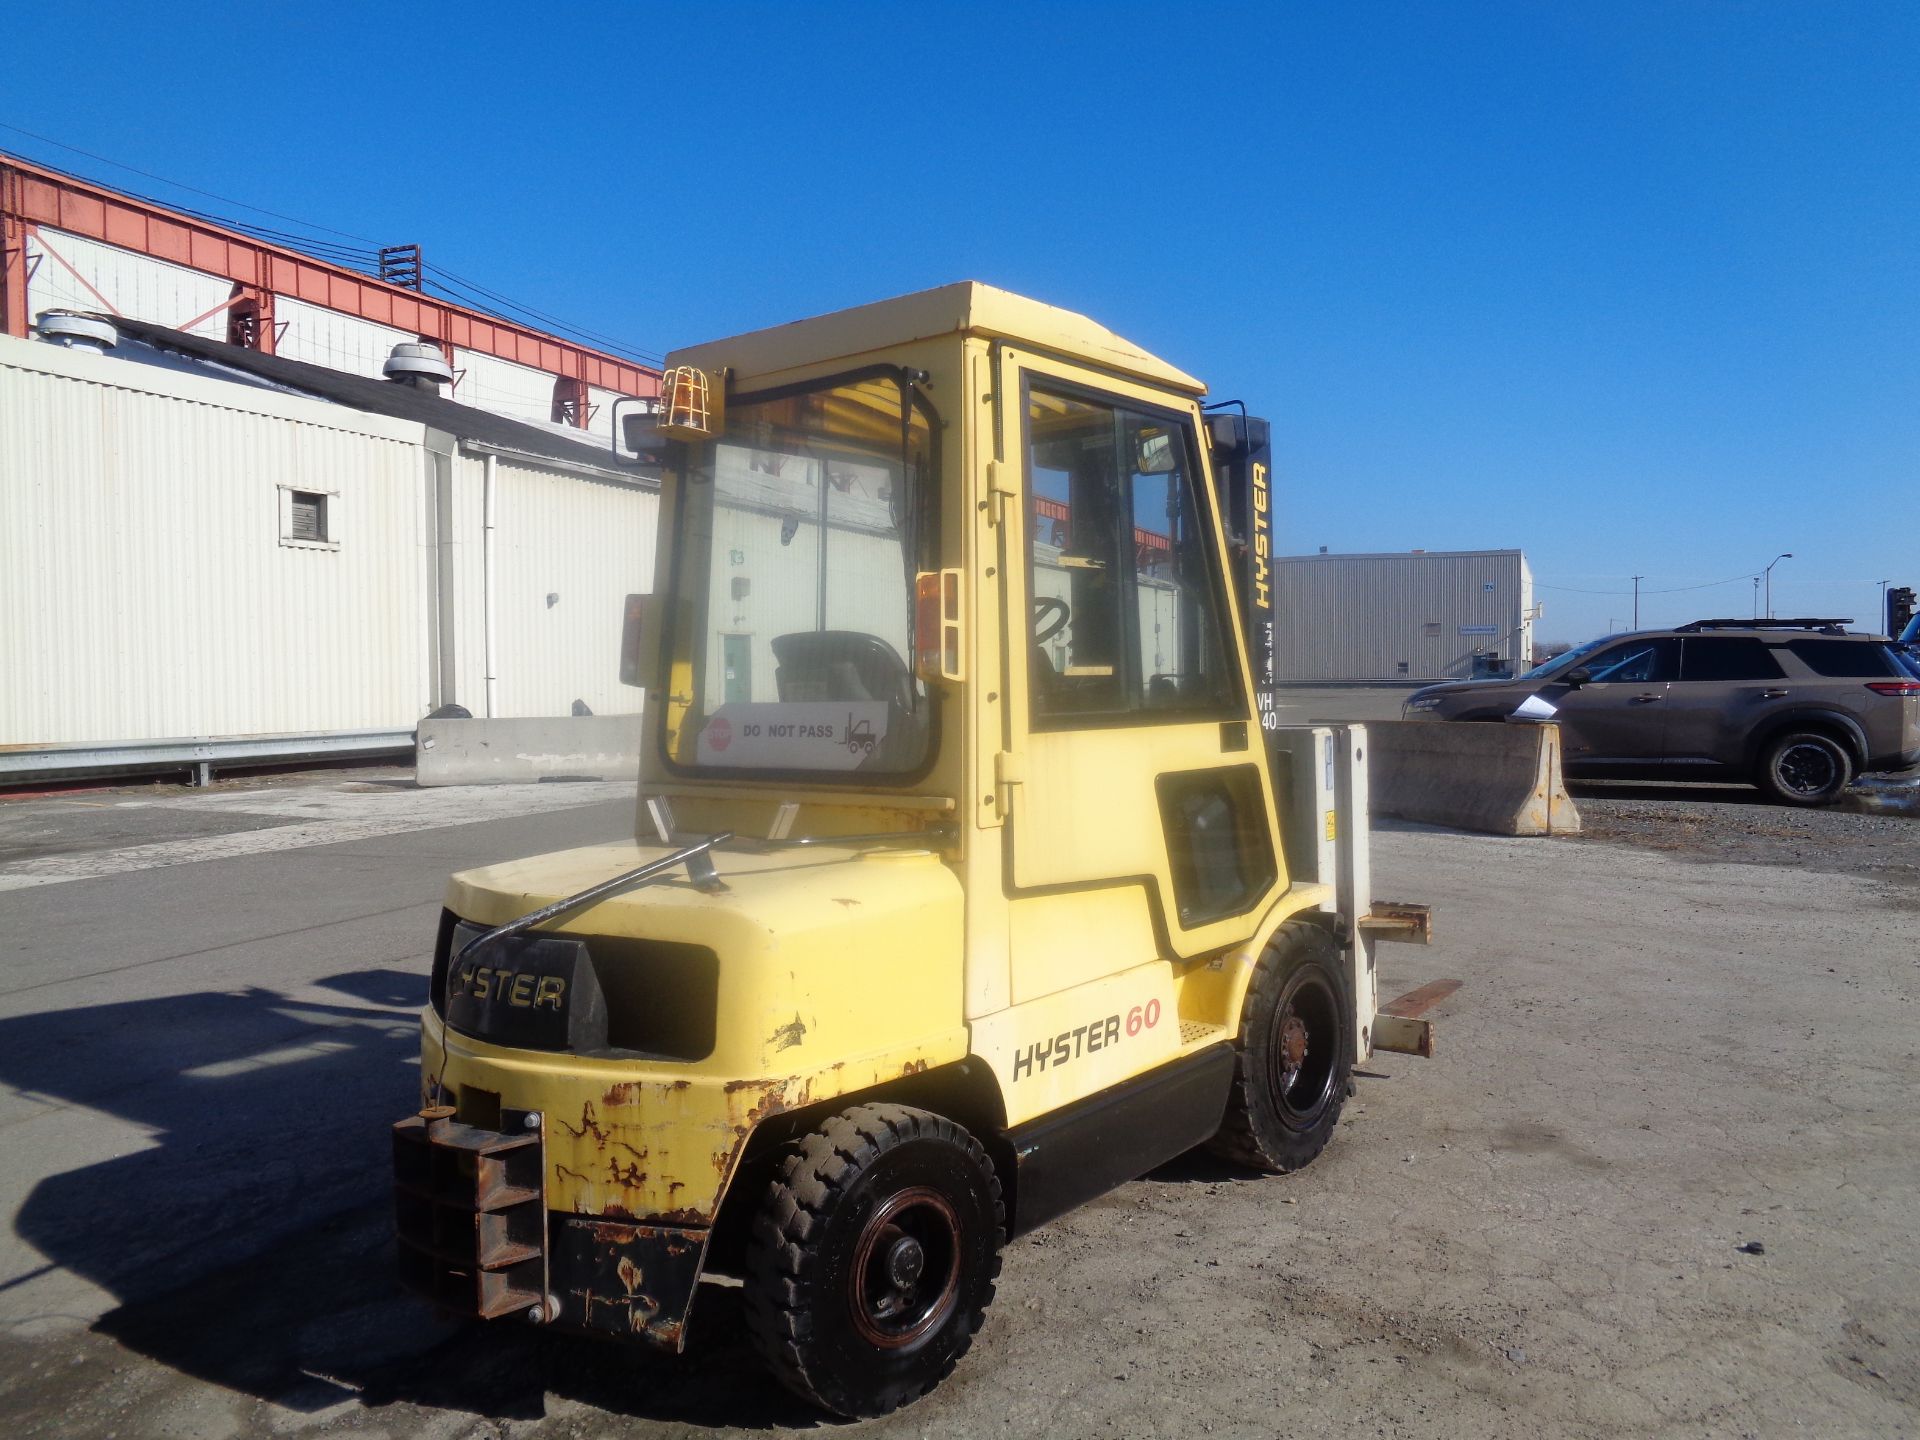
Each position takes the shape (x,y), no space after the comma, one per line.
(1786,555)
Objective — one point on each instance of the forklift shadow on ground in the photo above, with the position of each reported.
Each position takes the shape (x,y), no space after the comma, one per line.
(250,1244)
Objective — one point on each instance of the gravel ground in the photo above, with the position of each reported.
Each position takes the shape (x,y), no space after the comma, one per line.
(1875,837)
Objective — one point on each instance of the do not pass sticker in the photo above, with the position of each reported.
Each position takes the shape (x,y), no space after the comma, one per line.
(794,734)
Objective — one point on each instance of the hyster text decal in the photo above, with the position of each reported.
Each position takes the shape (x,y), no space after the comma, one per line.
(1068,1045)
(519,989)
(1262,540)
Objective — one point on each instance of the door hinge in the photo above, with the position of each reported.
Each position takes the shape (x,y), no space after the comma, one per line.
(1009,771)
(1001,487)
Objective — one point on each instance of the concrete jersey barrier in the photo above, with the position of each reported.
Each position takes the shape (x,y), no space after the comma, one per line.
(498,752)
(1500,779)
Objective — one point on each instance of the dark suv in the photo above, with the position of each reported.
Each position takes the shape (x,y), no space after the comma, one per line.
(1797,707)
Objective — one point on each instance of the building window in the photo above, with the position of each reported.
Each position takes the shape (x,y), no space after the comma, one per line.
(308,519)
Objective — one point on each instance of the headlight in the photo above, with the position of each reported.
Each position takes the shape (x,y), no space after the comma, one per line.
(1424,702)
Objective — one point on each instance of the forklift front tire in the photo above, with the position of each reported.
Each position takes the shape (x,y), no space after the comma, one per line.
(873,1258)
(1292,1057)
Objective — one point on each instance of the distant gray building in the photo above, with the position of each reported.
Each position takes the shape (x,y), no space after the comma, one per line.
(1419,615)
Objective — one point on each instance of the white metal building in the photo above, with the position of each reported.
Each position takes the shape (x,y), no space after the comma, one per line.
(243,555)
(72,272)
(1422,615)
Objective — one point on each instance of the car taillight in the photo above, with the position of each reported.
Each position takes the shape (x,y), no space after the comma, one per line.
(1894,687)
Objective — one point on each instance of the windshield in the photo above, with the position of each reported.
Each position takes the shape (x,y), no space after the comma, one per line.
(1567,659)
(794,560)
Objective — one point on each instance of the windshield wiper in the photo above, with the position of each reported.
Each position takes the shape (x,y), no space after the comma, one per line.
(653,869)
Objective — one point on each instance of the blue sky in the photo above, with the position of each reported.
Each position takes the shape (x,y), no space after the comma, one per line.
(1634,287)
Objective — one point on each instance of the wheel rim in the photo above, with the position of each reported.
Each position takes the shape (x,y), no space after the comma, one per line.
(1305,1041)
(906,1268)
(1806,769)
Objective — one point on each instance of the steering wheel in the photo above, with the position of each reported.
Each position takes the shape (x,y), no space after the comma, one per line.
(1050,617)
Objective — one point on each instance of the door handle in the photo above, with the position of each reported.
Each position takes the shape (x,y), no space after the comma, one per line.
(1773,694)
(1643,699)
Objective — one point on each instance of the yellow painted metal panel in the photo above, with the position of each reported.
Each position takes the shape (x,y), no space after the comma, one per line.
(837,970)
(967,308)
(1053,1051)
(1065,940)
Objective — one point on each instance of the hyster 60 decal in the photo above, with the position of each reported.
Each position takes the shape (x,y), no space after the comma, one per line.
(1070,1045)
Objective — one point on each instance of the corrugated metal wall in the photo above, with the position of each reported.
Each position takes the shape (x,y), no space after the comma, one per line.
(146,591)
(490,383)
(589,544)
(62,267)
(138,286)
(340,342)
(1395,617)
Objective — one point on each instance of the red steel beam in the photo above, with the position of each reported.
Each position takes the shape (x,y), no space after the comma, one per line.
(31,195)
(13,257)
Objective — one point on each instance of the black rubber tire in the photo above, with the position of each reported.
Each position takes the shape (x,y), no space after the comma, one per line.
(1805,767)
(1278,1122)
(808,1299)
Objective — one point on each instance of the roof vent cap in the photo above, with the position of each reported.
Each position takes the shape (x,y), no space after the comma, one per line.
(419,365)
(77,331)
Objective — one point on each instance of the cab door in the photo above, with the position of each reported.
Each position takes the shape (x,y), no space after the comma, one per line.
(1139,813)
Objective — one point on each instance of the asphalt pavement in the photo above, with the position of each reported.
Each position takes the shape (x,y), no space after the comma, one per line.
(208,996)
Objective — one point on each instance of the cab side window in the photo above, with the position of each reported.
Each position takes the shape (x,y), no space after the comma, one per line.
(1126,621)
(1647,662)
(1728,657)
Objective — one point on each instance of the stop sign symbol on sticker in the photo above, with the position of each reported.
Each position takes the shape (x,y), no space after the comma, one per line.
(719,733)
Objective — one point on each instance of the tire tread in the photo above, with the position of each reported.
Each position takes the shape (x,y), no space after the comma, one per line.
(819,1168)
(1238,1140)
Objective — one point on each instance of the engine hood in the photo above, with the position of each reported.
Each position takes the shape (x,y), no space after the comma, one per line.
(825,955)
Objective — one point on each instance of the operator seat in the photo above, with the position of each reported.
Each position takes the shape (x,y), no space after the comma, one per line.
(840,665)
(848,665)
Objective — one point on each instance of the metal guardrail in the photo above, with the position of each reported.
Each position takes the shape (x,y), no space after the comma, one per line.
(200,756)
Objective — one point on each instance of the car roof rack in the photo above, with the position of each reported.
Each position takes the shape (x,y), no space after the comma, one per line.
(1825,626)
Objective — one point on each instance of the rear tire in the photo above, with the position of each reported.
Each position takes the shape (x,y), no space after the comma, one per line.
(1805,767)
(873,1258)
(1293,1056)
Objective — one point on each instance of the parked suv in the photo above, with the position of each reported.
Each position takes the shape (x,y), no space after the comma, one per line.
(1797,707)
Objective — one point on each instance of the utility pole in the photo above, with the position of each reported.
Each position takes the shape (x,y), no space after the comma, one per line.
(1636,600)
(1784,555)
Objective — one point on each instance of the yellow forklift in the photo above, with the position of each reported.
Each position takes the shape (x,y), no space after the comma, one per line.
(972,877)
